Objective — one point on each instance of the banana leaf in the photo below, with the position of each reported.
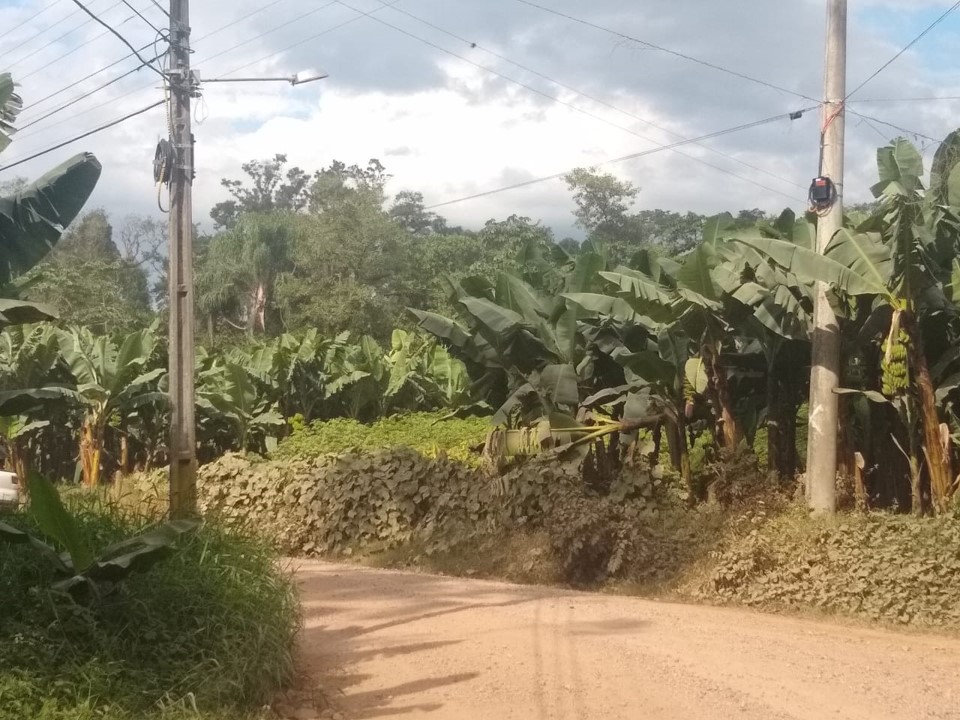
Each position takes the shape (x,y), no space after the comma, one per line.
(32,220)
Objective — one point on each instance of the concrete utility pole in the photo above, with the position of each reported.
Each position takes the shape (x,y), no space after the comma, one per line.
(825,372)
(183,455)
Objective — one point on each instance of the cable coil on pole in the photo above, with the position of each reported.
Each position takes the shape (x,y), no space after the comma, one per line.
(163,162)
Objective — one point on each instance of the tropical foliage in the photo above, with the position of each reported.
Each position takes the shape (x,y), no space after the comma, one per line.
(71,396)
(33,218)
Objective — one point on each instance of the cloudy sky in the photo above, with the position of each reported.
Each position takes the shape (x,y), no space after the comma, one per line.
(457,97)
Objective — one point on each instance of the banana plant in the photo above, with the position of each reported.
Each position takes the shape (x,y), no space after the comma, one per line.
(30,380)
(85,574)
(33,219)
(898,261)
(227,394)
(110,378)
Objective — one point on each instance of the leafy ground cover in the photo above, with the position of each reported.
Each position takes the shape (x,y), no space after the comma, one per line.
(427,433)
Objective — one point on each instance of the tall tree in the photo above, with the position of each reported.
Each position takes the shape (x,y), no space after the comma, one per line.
(409,212)
(269,186)
(602,203)
(90,282)
(237,274)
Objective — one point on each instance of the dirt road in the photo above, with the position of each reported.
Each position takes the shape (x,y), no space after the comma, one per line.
(401,645)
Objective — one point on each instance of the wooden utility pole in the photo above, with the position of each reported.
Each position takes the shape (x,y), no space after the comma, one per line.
(183,455)
(821,475)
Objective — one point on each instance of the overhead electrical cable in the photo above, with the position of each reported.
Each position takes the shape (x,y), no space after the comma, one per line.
(68,53)
(56,39)
(87,134)
(72,85)
(150,86)
(238,20)
(239,45)
(633,156)
(574,107)
(594,99)
(310,38)
(675,53)
(932,98)
(161,8)
(33,17)
(84,96)
(896,57)
(144,18)
(38,34)
(904,130)
(715,66)
(119,37)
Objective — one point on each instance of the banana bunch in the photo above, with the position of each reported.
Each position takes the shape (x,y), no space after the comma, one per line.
(896,378)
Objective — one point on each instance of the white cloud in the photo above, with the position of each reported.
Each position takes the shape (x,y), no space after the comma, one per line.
(448,129)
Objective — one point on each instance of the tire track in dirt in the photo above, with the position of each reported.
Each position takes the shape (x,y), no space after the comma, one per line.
(402,645)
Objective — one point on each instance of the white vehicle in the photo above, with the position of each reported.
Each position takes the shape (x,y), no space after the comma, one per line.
(9,490)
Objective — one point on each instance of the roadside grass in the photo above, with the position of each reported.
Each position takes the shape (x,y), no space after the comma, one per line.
(206,634)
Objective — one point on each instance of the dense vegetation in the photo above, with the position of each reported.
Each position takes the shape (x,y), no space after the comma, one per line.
(208,630)
(372,380)
(91,627)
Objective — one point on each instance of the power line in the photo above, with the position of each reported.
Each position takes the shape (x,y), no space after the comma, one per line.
(896,57)
(735,73)
(161,8)
(144,18)
(87,94)
(87,134)
(238,20)
(119,37)
(675,53)
(72,85)
(600,101)
(145,87)
(70,52)
(34,37)
(56,39)
(268,32)
(72,118)
(30,19)
(135,90)
(935,98)
(312,37)
(632,156)
(576,108)
(891,125)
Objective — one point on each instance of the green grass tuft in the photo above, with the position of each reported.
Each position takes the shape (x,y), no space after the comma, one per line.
(207,633)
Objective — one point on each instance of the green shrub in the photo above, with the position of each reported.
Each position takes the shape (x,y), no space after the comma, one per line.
(884,567)
(206,634)
(427,433)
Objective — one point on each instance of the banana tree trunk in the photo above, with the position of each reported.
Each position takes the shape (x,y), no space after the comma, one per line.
(787,468)
(19,461)
(732,433)
(680,455)
(124,455)
(846,462)
(774,419)
(937,459)
(91,447)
